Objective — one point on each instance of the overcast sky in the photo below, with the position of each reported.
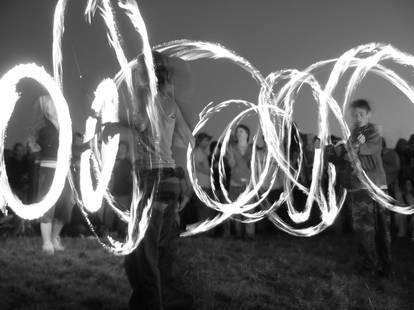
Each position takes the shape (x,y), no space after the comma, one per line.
(271,34)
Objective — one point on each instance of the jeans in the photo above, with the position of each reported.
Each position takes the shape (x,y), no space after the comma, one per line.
(149,266)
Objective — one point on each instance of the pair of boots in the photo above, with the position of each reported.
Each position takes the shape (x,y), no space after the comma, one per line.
(51,237)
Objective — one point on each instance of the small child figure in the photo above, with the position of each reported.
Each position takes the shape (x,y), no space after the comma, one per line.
(370,220)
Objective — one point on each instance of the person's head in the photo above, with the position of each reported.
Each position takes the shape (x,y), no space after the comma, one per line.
(360,112)
(242,133)
(334,139)
(202,140)
(161,71)
(411,144)
(411,139)
(401,146)
(18,150)
(123,150)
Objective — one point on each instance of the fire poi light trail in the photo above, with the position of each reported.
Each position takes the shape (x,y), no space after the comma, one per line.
(274,109)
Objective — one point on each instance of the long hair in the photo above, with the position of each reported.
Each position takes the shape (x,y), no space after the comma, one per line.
(43,111)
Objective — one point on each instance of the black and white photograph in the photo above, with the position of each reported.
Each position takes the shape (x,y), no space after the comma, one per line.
(203,155)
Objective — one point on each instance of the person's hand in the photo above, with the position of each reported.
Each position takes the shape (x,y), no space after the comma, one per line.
(109,130)
(361,139)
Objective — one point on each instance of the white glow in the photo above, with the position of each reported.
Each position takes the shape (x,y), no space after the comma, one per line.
(105,105)
(9,98)
(274,108)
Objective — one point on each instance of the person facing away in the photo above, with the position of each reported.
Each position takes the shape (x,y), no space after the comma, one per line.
(52,222)
(371,220)
(148,267)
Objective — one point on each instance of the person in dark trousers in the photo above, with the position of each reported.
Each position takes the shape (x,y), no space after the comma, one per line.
(148,267)
(371,221)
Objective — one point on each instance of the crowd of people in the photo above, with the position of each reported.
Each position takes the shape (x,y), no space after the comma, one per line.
(23,163)
(30,168)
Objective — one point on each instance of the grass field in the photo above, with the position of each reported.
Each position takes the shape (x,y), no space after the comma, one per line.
(272,272)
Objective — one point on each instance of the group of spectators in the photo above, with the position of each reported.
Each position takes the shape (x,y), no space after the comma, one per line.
(398,165)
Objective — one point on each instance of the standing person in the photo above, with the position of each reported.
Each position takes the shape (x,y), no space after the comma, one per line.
(52,222)
(404,155)
(148,267)
(276,189)
(408,197)
(214,160)
(391,163)
(202,167)
(77,226)
(240,155)
(403,194)
(371,221)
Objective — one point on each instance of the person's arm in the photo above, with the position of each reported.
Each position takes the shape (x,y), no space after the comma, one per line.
(184,189)
(78,149)
(139,124)
(182,136)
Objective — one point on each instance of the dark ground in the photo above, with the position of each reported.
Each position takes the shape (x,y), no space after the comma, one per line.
(271,272)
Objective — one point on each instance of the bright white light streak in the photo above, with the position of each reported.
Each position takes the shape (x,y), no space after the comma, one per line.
(105,104)
(131,9)
(58,30)
(274,110)
(9,97)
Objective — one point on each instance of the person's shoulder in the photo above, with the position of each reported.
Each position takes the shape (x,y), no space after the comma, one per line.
(372,131)
(374,128)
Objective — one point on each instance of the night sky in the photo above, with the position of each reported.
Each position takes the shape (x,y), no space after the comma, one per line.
(272,35)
